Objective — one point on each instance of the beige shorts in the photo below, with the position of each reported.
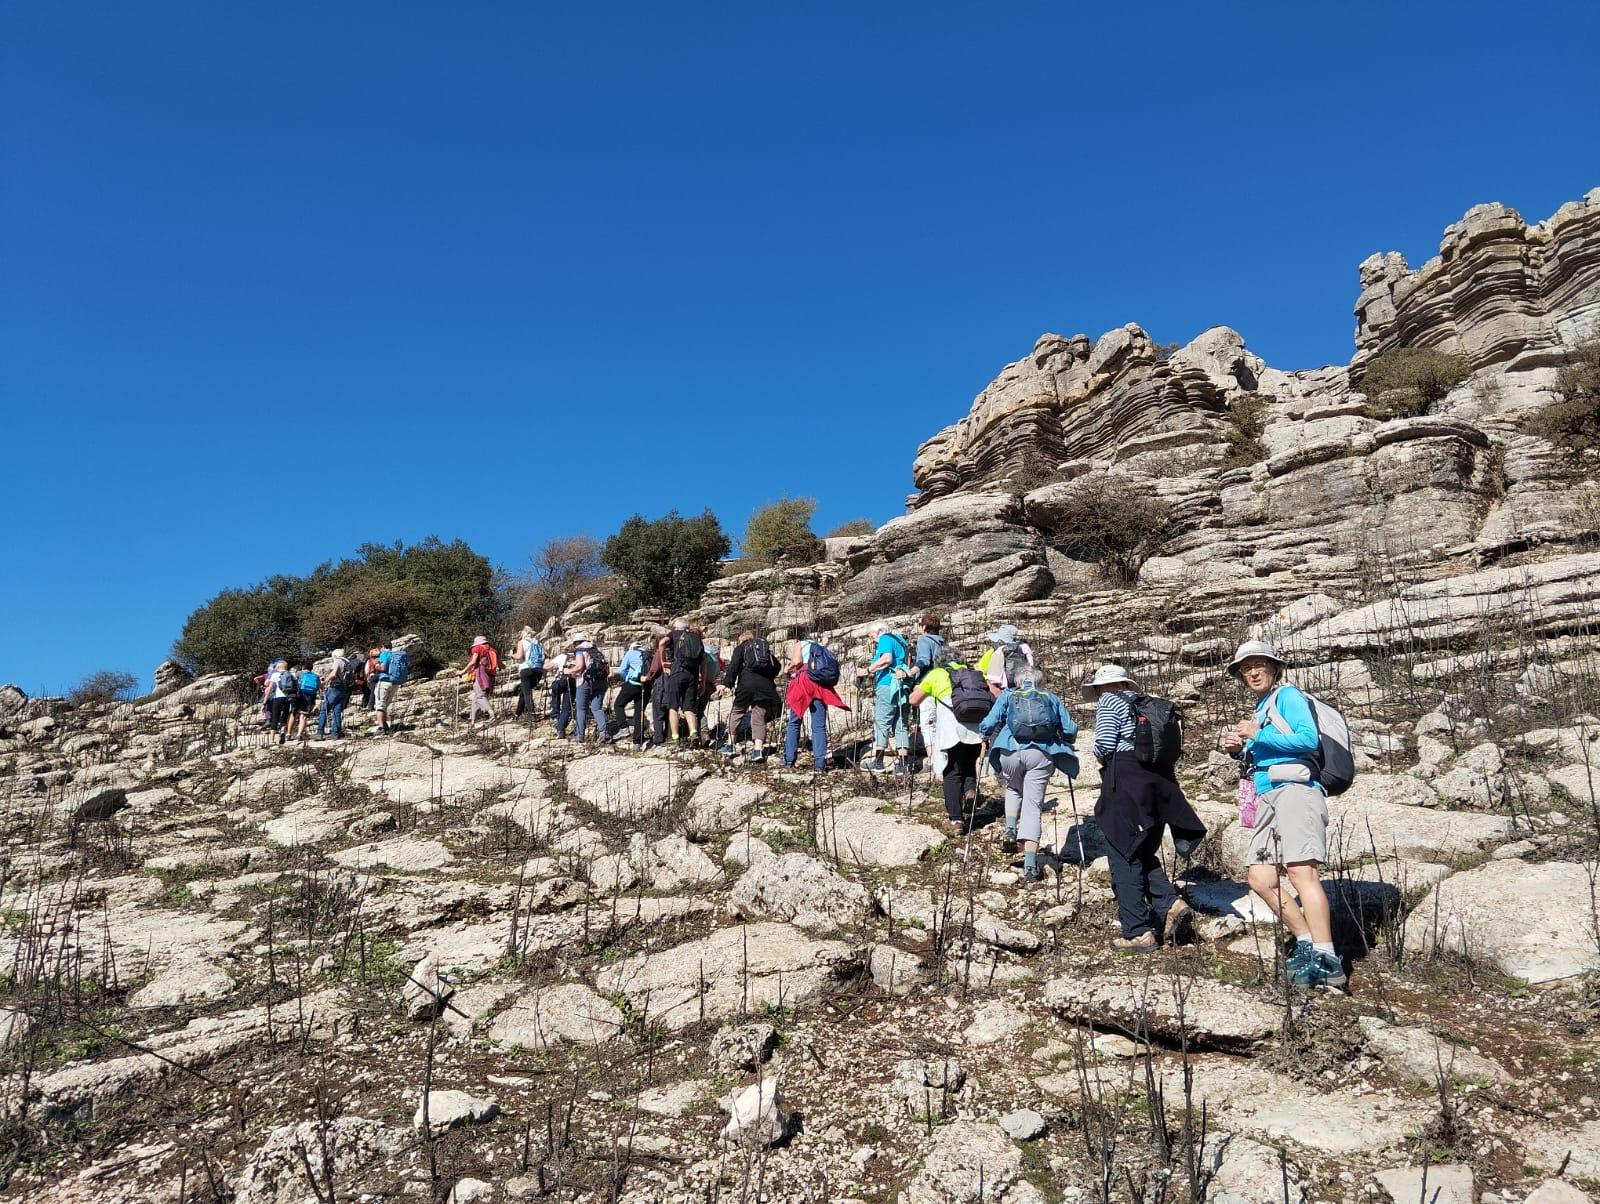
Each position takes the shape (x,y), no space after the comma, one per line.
(383,694)
(1291,826)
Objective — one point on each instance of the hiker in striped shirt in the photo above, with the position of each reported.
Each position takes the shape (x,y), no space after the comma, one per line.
(1138,802)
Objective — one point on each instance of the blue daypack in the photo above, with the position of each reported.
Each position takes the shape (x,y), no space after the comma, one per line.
(535,655)
(1032,719)
(822,666)
(399,667)
(309,682)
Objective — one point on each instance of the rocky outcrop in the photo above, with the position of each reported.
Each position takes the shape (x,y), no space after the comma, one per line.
(1308,483)
(170,676)
(1071,399)
(1499,290)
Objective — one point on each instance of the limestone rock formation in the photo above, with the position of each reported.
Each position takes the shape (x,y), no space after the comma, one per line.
(170,676)
(1499,290)
(1268,475)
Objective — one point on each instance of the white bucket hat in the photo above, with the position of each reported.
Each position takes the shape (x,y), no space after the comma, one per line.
(1006,633)
(1106,675)
(1254,648)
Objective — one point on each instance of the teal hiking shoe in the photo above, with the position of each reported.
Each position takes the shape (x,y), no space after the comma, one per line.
(1330,971)
(1298,967)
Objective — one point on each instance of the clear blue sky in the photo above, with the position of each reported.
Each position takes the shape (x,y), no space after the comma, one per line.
(242,245)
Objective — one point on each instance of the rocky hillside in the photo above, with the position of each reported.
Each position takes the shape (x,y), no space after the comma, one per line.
(495,966)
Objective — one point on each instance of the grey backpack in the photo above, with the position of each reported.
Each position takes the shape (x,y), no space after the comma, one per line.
(1334,765)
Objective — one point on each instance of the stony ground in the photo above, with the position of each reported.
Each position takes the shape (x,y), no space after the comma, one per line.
(244,985)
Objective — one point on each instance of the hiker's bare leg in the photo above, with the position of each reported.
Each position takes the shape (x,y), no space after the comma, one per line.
(1264,881)
(1313,901)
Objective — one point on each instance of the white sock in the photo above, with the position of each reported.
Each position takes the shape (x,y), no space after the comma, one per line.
(1323,947)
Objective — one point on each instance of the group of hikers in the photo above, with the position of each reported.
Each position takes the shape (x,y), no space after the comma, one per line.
(1292,750)
(290,693)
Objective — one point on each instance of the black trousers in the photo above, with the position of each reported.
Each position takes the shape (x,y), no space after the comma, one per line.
(630,691)
(660,704)
(960,776)
(527,682)
(1143,891)
(278,709)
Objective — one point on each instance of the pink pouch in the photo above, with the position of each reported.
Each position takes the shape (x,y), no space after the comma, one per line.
(1247,802)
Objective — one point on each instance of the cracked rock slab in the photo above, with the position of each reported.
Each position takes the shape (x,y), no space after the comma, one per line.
(569,1014)
(734,970)
(1208,1014)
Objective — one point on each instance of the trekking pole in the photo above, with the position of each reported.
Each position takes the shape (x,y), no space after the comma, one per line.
(1076,819)
(972,815)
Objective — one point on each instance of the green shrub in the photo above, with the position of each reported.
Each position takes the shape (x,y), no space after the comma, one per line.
(1405,382)
(1247,422)
(1573,422)
(1116,525)
(106,686)
(665,563)
(445,592)
(781,530)
(241,630)
(856,526)
(361,613)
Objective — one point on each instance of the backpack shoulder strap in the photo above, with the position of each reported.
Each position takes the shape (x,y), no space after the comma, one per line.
(1274,715)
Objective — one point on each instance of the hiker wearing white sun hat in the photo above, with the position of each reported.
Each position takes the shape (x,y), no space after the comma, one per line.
(1138,802)
(1278,747)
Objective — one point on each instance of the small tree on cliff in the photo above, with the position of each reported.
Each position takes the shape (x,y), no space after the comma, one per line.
(663,564)
(1405,382)
(781,530)
(1573,421)
(1118,523)
(559,573)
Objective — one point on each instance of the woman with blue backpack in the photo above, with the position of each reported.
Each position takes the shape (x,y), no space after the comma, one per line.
(1139,799)
(891,719)
(1030,736)
(1283,790)
(307,683)
(813,673)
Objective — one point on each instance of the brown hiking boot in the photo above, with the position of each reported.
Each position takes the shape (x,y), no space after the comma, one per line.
(1145,942)
(1180,923)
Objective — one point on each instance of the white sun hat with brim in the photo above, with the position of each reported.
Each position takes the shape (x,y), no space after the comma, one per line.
(1254,648)
(1106,675)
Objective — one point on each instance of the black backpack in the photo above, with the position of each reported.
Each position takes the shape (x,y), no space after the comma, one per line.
(687,652)
(970,700)
(595,668)
(1015,661)
(345,676)
(758,655)
(1157,731)
(289,683)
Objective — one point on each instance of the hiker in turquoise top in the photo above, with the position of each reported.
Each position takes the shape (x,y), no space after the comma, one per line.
(1289,838)
(891,712)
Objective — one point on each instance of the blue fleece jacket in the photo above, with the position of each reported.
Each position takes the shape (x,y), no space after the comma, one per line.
(1274,747)
(632,667)
(997,732)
